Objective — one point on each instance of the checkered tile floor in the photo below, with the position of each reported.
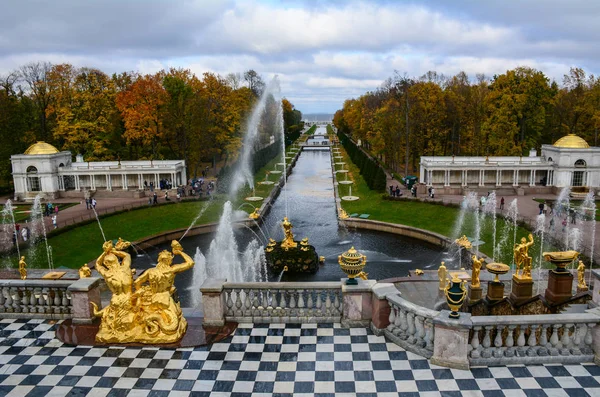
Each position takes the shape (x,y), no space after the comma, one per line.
(299,360)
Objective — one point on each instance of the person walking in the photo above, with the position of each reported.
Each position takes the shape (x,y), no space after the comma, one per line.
(56,209)
(94,202)
(432,193)
(87,203)
(541,207)
(398,193)
(391,190)
(54,221)
(502,204)
(155,198)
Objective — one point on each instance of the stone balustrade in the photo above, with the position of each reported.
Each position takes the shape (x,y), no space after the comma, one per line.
(411,326)
(48,299)
(283,302)
(531,339)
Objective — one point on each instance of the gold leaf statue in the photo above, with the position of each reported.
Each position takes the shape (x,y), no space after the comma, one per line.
(442,276)
(149,314)
(85,271)
(477,263)
(23,268)
(581,285)
(522,258)
(288,241)
(464,242)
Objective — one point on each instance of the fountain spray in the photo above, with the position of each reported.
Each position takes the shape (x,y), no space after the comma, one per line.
(589,206)
(10,212)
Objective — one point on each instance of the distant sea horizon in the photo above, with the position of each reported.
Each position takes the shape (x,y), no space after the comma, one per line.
(317,117)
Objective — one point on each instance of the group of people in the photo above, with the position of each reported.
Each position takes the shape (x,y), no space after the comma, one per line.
(90,203)
(50,209)
(395,192)
(23,233)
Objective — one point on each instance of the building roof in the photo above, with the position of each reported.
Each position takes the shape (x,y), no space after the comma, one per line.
(41,147)
(571,141)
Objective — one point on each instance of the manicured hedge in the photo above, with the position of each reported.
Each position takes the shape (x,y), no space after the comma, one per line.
(370,170)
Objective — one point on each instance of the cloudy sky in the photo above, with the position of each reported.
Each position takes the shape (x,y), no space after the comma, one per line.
(323,51)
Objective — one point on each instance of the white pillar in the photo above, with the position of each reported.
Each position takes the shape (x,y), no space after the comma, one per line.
(108,182)
(481,177)
(124,178)
(532,177)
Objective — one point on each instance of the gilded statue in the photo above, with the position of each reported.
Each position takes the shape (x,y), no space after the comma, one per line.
(22,268)
(149,314)
(464,242)
(85,271)
(443,275)
(288,241)
(477,263)
(522,258)
(581,285)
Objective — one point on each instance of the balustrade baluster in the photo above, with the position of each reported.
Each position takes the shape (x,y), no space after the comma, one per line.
(487,342)
(24,300)
(310,306)
(543,349)
(9,300)
(238,303)
(588,339)
(328,303)
(410,318)
(336,303)
(229,303)
(429,335)
(16,302)
(566,340)
(420,331)
(283,311)
(319,303)
(2,300)
(510,341)
(49,300)
(475,342)
(392,318)
(521,351)
(32,300)
(532,340)
(576,349)
(554,340)
(57,300)
(67,301)
(498,351)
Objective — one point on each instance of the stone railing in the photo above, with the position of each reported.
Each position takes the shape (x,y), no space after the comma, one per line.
(296,302)
(49,299)
(411,326)
(283,302)
(563,338)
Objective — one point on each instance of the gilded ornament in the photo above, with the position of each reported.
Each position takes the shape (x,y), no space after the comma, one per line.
(342,213)
(455,295)
(581,285)
(254,214)
(522,258)
(288,241)
(464,242)
(560,259)
(149,314)
(477,263)
(85,271)
(418,272)
(442,276)
(22,268)
(352,263)
(497,269)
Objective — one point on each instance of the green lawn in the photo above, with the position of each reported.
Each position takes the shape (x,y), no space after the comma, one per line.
(22,212)
(434,217)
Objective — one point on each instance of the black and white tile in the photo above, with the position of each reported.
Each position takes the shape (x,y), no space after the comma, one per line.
(263,360)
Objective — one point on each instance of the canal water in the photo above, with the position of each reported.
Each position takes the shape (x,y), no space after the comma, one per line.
(311,208)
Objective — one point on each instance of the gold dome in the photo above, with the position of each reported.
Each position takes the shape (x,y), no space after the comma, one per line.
(41,147)
(572,141)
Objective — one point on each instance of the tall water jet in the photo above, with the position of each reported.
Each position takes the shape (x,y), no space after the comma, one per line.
(490,209)
(199,275)
(540,229)
(589,209)
(37,215)
(9,213)
(244,174)
(222,259)
(562,207)
(513,215)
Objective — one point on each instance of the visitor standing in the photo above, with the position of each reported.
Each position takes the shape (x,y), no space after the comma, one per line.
(502,204)
(145,185)
(155,198)
(541,207)
(94,202)
(18,229)
(56,209)
(432,193)
(54,222)
(391,190)
(398,193)
(151,186)
(87,203)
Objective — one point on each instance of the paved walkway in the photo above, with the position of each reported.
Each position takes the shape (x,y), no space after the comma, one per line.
(263,360)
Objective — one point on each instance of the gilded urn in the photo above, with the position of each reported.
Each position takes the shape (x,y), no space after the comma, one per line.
(455,295)
(352,263)
(560,259)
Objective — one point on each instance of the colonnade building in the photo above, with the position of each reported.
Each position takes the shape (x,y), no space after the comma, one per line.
(42,169)
(570,161)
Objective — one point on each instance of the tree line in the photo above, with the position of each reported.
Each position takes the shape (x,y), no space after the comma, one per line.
(171,114)
(436,115)
(370,170)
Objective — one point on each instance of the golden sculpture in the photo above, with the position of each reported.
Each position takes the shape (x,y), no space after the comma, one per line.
(85,271)
(477,263)
(254,214)
(342,213)
(22,268)
(352,263)
(497,269)
(464,242)
(581,285)
(418,272)
(522,258)
(560,259)
(148,315)
(288,241)
(442,276)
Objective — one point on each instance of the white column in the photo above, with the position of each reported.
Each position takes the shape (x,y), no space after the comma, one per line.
(532,177)
(124,178)
(77,187)
(481,177)
(108,182)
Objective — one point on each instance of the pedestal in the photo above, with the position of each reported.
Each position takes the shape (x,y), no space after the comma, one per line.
(560,285)
(522,289)
(495,291)
(474,294)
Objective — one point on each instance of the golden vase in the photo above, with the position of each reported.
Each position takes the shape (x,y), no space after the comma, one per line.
(352,263)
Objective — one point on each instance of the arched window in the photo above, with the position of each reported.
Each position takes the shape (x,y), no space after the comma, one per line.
(33,180)
(550,159)
(61,165)
(579,178)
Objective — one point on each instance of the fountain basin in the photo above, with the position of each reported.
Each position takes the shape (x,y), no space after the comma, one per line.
(345,182)
(341,171)
(266,183)
(350,198)
(275,172)
(254,198)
